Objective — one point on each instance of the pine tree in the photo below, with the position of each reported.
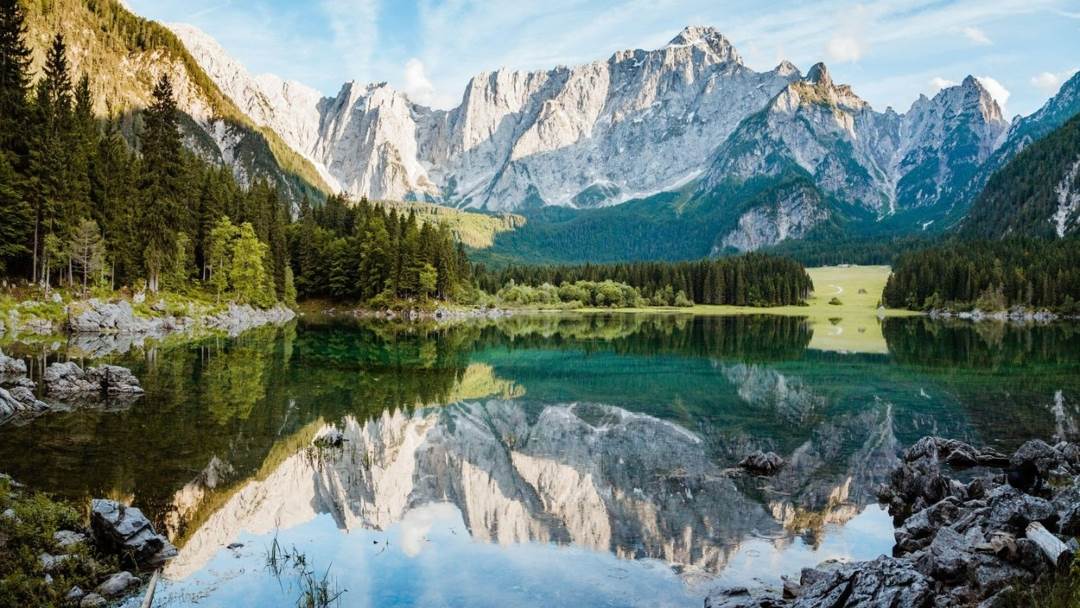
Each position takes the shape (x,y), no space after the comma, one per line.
(14,216)
(219,254)
(162,181)
(87,250)
(49,167)
(14,77)
(248,273)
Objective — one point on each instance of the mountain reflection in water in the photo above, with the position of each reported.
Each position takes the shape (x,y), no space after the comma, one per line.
(503,462)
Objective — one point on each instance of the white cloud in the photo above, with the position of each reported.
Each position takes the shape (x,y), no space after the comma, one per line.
(937,83)
(417,84)
(352,24)
(845,49)
(996,90)
(1050,82)
(976,35)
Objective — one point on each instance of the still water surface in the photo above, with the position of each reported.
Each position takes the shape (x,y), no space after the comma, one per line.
(559,460)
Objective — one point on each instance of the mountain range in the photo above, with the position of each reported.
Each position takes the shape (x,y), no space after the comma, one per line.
(681,151)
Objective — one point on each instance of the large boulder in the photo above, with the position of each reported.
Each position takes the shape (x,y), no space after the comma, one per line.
(884,582)
(762,463)
(125,530)
(954,453)
(97,316)
(69,380)
(1012,510)
(19,400)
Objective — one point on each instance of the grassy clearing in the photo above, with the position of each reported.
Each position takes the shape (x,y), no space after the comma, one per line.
(850,326)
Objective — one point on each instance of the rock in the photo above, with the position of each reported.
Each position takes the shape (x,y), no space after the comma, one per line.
(10,366)
(954,453)
(331,438)
(1038,453)
(1013,510)
(919,529)
(19,400)
(762,463)
(991,574)
(92,600)
(125,530)
(885,581)
(51,562)
(74,595)
(950,555)
(68,380)
(97,316)
(66,538)
(741,597)
(117,584)
(791,589)
(1000,599)
(1067,505)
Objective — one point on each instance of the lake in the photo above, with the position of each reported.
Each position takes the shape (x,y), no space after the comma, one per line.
(581,460)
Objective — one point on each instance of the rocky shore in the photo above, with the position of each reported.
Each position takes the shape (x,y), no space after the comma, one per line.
(1011,522)
(73,564)
(1017,314)
(64,384)
(439,314)
(103,317)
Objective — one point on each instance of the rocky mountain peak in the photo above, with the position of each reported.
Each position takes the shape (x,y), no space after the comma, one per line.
(708,39)
(819,75)
(787,69)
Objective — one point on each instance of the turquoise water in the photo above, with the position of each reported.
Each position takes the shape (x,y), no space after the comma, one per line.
(570,460)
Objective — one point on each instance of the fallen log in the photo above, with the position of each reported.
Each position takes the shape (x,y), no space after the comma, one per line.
(1057,551)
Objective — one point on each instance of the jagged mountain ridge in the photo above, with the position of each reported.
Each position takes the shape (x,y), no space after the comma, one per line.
(126,54)
(639,123)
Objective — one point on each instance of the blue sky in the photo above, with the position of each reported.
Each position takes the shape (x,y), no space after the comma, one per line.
(889,50)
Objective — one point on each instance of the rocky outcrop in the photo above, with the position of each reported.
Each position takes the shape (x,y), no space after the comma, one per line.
(762,463)
(68,380)
(127,532)
(11,367)
(119,318)
(17,390)
(957,544)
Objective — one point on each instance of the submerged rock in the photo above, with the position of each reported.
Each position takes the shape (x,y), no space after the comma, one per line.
(125,530)
(762,463)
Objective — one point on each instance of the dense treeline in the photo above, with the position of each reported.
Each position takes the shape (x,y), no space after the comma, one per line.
(371,253)
(747,280)
(989,275)
(82,205)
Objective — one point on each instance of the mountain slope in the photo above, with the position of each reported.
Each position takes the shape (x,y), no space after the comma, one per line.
(1036,194)
(125,55)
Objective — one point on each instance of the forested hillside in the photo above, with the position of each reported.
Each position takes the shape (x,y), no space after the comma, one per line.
(84,208)
(989,275)
(126,55)
(1036,194)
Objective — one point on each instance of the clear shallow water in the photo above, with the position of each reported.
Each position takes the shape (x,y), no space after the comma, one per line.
(535,462)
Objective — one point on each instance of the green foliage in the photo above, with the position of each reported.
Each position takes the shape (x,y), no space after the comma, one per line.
(747,280)
(247,273)
(1021,198)
(364,251)
(989,275)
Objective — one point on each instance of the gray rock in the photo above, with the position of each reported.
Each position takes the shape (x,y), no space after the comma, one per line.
(1013,510)
(884,582)
(92,600)
(1038,453)
(19,400)
(74,595)
(762,463)
(10,366)
(741,597)
(117,584)
(919,529)
(991,574)
(68,380)
(66,538)
(954,453)
(950,555)
(128,532)
(50,563)
(1067,505)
